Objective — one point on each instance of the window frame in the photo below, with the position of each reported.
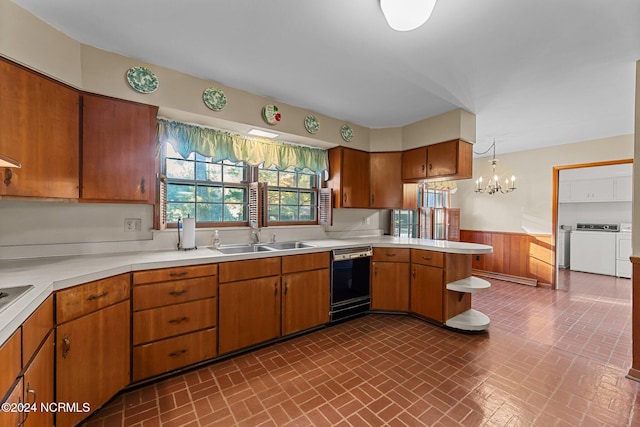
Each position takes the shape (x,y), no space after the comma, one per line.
(251,177)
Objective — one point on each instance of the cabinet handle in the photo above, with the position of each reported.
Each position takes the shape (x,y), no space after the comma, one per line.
(178,274)
(31,391)
(375,270)
(8,174)
(275,288)
(179,320)
(373,198)
(97,296)
(286,288)
(413,273)
(178,353)
(430,166)
(422,168)
(344,198)
(67,346)
(390,254)
(427,258)
(178,292)
(142,182)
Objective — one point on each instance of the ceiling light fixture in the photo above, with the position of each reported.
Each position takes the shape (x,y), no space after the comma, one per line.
(406,15)
(262,133)
(493,186)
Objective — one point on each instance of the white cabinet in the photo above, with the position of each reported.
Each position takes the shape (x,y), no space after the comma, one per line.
(592,190)
(622,188)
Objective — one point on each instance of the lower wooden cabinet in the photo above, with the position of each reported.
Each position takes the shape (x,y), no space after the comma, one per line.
(92,359)
(427,290)
(390,286)
(249,313)
(13,418)
(38,385)
(167,355)
(305,300)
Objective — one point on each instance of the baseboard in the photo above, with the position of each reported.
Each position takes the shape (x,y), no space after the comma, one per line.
(506,277)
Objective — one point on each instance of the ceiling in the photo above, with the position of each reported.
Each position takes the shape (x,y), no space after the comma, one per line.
(536,73)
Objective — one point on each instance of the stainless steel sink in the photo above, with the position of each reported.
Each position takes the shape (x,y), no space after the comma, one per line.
(244,248)
(9,295)
(289,245)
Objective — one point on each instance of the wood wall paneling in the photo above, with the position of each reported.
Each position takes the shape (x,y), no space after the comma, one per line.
(529,256)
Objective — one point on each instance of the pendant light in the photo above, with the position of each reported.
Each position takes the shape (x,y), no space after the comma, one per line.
(493,185)
(406,15)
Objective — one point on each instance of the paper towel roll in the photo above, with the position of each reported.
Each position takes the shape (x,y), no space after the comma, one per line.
(189,233)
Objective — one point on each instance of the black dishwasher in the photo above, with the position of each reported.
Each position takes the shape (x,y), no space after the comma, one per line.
(350,274)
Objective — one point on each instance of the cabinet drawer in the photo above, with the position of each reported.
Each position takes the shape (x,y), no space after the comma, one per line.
(80,300)
(391,254)
(174,273)
(173,353)
(432,258)
(11,365)
(36,328)
(163,322)
(249,269)
(176,291)
(304,262)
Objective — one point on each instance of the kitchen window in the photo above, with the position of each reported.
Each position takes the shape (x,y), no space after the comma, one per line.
(217,193)
(212,192)
(291,195)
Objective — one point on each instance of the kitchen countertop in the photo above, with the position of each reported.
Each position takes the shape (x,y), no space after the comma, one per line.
(55,273)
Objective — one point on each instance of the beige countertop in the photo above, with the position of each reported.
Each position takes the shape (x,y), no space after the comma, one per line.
(55,273)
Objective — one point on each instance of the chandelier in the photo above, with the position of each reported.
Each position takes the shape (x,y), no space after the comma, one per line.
(493,185)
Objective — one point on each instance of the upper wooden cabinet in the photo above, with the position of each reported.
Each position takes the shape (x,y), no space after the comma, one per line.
(118,150)
(445,160)
(39,127)
(414,164)
(386,180)
(349,177)
(450,160)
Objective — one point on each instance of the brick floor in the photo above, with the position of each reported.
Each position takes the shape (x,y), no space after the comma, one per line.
(550,358)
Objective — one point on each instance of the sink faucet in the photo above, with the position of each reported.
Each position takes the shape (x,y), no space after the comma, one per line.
(255,235)
(273,237)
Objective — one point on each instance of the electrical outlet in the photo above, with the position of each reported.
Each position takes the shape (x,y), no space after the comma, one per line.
(132,225)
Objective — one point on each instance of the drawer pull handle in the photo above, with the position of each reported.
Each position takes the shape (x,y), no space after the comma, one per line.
(98,296)
(178,292)
(178,274)
(413,273)
(428,258)
(275,288)
(67,346)
(179,320)
(178,353)
(8,174)
(390,254)
(31,391)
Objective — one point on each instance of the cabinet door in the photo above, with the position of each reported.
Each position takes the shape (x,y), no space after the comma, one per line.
(39,127)
(92,359)
(305,300)
(11,418)
(386,180)
(623,187)
(38,385)
(414,164)
(427,291)
(355,179)
(452,219)
(390,286)
(249,313)
(450,159)
(118,150)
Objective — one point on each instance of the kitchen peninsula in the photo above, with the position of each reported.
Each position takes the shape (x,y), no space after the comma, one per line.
(185,301)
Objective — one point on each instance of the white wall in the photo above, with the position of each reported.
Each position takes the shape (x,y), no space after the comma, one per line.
(528,209)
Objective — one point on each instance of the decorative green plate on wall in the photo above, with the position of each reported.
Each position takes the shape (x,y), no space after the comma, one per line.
(311,124)
(347,133)
(214,98)
(142,80)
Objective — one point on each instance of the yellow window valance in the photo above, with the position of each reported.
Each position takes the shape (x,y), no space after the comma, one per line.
(222,145)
